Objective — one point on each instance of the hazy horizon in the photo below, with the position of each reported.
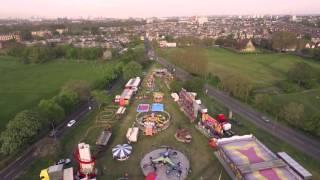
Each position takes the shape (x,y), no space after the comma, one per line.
(148,8)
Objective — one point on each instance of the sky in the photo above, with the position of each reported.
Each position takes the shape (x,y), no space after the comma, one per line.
(153,8)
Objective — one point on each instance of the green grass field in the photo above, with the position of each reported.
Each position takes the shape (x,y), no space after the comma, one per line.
(23,86)
(262,69)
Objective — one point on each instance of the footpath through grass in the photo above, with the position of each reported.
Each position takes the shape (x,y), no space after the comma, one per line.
(23,86)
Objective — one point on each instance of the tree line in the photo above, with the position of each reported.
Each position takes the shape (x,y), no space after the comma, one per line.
(41,54)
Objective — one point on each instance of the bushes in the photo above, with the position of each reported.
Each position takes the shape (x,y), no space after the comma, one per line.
(288,87)
(213,80)
(195,84)
(263,102)
(175,86)
(293,113)
(303,75)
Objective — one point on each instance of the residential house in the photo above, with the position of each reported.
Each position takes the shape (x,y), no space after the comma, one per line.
(107,54)
(245,45)
(167,44)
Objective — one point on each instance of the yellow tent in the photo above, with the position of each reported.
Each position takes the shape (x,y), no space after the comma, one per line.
(44,174)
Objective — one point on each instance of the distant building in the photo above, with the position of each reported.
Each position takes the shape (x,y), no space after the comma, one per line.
(294,18)
(8,37)
(167,44)
(202,20)
(315,40)
(41,33)
(310,45)
(61,31)
(245,45)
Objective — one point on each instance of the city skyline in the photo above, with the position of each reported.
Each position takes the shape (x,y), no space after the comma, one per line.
(145,8)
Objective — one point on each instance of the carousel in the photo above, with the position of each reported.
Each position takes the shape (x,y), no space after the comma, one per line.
(153,122)
(121,152)
(165,164)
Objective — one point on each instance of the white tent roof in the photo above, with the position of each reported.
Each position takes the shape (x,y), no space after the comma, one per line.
(132,134)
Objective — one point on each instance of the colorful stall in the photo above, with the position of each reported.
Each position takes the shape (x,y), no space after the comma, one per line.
(158,97)
(143,108)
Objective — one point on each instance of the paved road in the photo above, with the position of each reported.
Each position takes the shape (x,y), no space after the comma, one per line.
(300,141)
(14,169)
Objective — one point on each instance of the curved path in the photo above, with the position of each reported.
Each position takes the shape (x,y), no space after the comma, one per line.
(105,118)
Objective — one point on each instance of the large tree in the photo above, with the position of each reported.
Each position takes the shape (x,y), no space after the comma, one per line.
(67,100)
(82,88)
(303,74)
(283,40)
(132,69)
(20,131)
(51,110)
(293,113)
(193,60)
(237,85)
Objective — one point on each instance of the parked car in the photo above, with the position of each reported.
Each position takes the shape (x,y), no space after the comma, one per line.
(265,119)
(71,123)
(63,161)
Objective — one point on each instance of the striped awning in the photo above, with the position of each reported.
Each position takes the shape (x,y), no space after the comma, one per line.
(121,151)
